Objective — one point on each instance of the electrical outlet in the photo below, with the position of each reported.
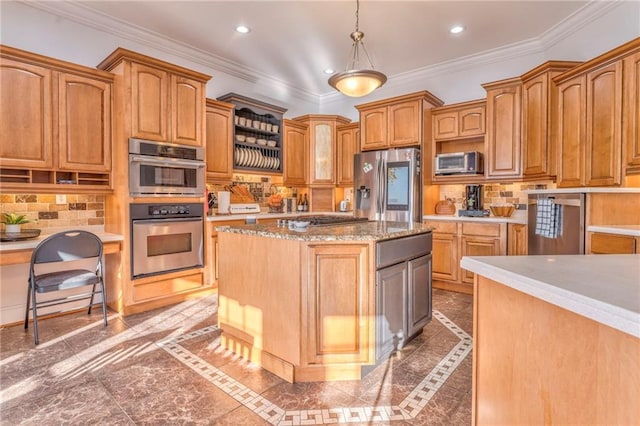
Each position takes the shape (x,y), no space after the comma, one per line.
(61,199)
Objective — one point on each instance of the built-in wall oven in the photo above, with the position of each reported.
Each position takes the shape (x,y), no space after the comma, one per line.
(166,238)
(161,169)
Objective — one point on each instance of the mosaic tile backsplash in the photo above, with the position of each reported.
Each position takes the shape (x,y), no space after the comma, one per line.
(42,211)
(495,193)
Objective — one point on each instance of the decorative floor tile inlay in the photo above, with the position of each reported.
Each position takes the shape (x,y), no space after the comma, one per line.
(406,410)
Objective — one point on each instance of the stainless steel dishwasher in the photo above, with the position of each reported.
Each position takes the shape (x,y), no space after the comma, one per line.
(556,223)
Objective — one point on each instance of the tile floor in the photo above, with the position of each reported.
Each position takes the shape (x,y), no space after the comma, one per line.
(166,367)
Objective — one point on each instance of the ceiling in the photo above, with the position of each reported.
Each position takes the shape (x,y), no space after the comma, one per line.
(292,42)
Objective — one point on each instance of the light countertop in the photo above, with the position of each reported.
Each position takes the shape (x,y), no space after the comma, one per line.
(519,216)
(32,243)
(265,215)
(631,230)
(592,190)
(359,231)
(604,288)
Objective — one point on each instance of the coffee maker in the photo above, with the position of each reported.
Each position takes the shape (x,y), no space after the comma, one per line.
(473,201)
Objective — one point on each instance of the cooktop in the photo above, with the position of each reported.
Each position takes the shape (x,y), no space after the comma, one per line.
(329,220)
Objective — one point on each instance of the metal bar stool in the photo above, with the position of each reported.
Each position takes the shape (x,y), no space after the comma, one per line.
(64,247)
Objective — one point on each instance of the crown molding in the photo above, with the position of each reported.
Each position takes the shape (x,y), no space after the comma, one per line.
(92,18)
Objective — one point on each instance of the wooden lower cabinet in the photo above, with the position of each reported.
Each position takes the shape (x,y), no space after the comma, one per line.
(602,243)
(517,239)
(454,239)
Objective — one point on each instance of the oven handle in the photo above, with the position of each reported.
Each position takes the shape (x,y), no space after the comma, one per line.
(169,219)
(166,161)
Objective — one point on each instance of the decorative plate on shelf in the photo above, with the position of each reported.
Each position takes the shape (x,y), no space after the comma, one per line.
(18,236)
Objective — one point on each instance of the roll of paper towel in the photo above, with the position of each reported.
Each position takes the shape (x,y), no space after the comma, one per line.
(224,198)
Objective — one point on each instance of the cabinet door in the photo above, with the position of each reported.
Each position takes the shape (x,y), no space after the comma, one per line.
(322,152)
(391,307)
(517,239)
(445,125)
(471,122)
(295,154)
(187,111)
(571,132)
(405,124)
(478,246)
(612,244)
(348,145)
(26,111)
(339,319)
(419,294)
(84,123)
(503,131)
(219,141)
(604,120)
(631,113)
(535,126)
(445,256)
(373,125)
(149,103)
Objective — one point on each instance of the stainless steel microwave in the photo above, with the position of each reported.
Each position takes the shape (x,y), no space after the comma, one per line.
(160,169)
(459,163)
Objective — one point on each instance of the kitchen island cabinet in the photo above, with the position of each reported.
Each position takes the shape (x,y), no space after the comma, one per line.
(556,339)
(302,304)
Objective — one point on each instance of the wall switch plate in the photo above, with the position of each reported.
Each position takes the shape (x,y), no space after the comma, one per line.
(61,199)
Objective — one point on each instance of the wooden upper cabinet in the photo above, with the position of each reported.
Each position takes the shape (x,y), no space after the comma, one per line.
(571,131)
(84,123)
(395,122)
(166,101)
(503,141)
(219,139)
(405,124)
(322,147)
(604,126)
(295,153)
(149,103)
(539,111)
(26,111)
(348,145)
(459,121)
(631,113)
(187,106)
(374,128)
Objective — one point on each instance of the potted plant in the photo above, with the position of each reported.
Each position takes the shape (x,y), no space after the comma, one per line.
(13,222)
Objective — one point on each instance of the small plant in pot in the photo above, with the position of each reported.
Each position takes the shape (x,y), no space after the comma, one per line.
(13,222)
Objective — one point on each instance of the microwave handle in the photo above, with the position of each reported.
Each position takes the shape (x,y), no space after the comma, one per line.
(166,162)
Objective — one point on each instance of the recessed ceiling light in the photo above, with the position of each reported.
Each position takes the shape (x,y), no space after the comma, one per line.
(456,29)
(329,71)
(243,29)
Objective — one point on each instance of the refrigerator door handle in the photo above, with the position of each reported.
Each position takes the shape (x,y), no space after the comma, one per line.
(380,194)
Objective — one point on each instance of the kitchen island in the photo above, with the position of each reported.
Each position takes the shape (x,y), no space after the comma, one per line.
(556,339)
(302,302)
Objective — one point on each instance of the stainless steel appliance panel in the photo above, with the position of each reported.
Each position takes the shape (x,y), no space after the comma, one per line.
(564,233)
(387,185)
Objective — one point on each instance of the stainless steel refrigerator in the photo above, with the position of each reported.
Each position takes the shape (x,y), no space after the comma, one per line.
(388,185)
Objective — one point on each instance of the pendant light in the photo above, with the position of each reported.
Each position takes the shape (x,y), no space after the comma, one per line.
(357,82)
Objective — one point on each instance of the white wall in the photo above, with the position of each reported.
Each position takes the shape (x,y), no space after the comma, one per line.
(34,30)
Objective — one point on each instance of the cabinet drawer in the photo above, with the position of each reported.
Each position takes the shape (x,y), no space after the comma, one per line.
(442,227)
(612,244)
(488,229)
(397,250)
(163,288)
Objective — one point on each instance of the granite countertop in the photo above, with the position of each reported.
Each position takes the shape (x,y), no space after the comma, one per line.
(359,231)
(519,216)
(7,246)
(631,230)
(265,215)
(604,288)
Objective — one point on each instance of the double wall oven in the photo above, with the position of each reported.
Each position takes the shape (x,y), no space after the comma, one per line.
(166,236)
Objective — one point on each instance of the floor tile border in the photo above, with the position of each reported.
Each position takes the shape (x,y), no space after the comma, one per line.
(408,409)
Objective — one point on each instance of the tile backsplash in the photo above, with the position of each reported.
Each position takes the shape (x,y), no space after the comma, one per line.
(495,193)
(42,211)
